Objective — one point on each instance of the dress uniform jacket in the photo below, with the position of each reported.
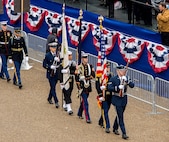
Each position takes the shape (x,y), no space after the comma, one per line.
(86,71)
(47,62)
(4,39)
(16,47)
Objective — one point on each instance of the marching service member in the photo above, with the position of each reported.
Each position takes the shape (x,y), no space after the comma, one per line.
(83,79)
(4,51)
(67,93)
(16,46)
(51,64)
(118,85)
(105,100)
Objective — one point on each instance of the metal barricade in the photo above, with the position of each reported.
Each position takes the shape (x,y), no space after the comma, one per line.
(144,87)
(162,93)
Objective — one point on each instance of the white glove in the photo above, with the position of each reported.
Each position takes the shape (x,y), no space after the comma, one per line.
(121,86)
(53,67)
(56,59)
(124,78)
(10,61)
(101,99)
(82,78)
(26,58)
(102,87)
(62,86)
(64,71)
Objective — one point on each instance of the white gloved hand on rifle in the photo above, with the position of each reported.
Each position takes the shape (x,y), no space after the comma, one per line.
(62,86)
(101,99)
(53,67)
(124,78)
(64,71)
(121,86)
(56,59)
(82,78)
(102,87)
(10,61)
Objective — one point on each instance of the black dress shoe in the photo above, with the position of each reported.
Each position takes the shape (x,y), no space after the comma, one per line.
(20,85)
(57,105)
(124,136)
(88,121)
(15,83)
(80,117)
(116,132)
(101,125)
(2,77)
(70,112)
(50,101)
(8,79)
(107,130)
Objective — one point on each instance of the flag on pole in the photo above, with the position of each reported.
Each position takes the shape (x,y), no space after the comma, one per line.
(64,52)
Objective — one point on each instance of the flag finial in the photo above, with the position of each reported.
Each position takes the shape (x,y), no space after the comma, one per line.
(101,19)
(80,14)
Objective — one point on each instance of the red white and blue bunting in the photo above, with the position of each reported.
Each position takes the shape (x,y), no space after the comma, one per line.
(73,29)
(14,17)
(108,36)
(130,47)
(54,20)
(158,57)
(34,18)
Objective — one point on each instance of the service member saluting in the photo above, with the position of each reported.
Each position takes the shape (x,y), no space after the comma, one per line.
(118,85)
(51,64)
(16,46)
(86,73)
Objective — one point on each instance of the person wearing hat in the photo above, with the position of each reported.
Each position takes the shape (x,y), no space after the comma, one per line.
(16,47)
(51,63)
(118,86)
(105,99)
(67,93)
(52,37)
(4,51)
(83,79)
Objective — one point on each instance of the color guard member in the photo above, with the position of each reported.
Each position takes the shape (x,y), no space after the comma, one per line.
(83,79)
(118,85)
(105,100)
(51,64)
(67,93)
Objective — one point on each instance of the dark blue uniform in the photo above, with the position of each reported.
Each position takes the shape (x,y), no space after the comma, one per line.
(16,47)
(119,102)
(4,51)
(51,75)
(104,118)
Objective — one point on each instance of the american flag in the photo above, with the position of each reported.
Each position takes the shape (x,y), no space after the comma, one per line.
(101,70)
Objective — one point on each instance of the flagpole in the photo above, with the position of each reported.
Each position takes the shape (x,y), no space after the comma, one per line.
(100,19)
(21,15)
(78,56)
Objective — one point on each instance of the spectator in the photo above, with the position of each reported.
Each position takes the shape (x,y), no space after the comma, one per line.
(163,23)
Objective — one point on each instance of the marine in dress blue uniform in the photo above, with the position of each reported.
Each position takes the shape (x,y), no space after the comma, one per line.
(83,79)
(16,47)
(118,85)
(105,101)
(4,51)
(51,64)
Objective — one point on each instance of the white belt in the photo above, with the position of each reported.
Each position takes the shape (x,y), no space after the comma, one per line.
(3,42)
